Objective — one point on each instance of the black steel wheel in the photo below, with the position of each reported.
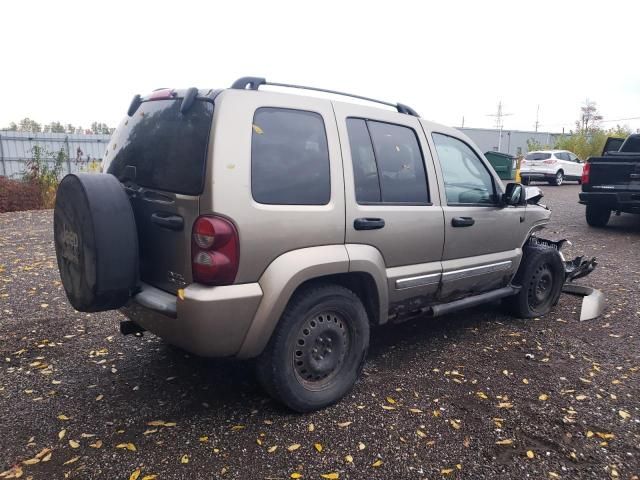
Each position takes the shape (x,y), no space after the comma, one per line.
(317,350)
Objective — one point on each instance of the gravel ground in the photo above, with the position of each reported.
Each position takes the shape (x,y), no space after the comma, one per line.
(472,395)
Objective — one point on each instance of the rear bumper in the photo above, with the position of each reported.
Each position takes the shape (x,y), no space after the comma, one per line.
(209,321)
(538,175)
(623,201)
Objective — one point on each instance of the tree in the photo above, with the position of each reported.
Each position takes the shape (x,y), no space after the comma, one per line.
(56,127)
(590,118)
(13,127)
(101,128)
(28,125)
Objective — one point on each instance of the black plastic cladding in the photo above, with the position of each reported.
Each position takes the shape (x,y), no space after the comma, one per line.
(253,83)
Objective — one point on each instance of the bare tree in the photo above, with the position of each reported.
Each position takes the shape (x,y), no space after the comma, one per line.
(590,117)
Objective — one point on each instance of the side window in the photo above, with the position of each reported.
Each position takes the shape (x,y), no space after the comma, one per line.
(572,157)
(466,179)
(388,165)
(289,158)
(561,156)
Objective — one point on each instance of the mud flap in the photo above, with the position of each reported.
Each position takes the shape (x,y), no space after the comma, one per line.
(594,300)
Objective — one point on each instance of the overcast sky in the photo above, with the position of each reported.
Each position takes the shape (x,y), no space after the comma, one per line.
(77,62)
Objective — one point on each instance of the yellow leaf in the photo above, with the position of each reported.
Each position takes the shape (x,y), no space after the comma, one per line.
(294,447)
(624,414)
(415,410)
(348,459)
(62,417)
(530,454)
(421,434)
(388,407)
(272,449)
(181,293)
(391,400)
(482,395)
(553,475)
(505,405)
(31,461)
(71,460)
(543,397)
(581,397)
(311,427)
(504,442)
(184,459)
(129,446)
(46,458)
(74,444)
(589,434)
(43,452)
(318,447)
(97,444)
(436,413)
(236,428)
(606,436)
(344,424)
(377,463)
(150,431)
(135,474)
(170,424)
(156,423)
(331,476)
(295,475)
(455,424)
(62,433)
(361,446)
(259,441)
(446,471)
(150,477)
(525,381)
(204,439)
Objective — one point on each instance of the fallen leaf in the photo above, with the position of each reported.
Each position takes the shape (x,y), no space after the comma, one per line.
(505,405)
(62,417)
(391,400)
(99,397)
(504,442)
(204,439)
(525,381)
(482,395)
(348,459)
(31,461)
(184,459)
(361,446)
(388,407)
(581,397)
(150,431)
(344,424)
(43,452)
(455,424)
(624,414)
(237,428)
(272,449)
(530,454)
(377,463)
(96,444)
(543,397)
(73,444)
(415,410)
(318,447)
(331,476)
(150,477)
(605,436)
(135,474)
(295,475)
(47,457)
(71,460)
(259,441)
(446,471)
(156,423)
(129,446)
(311,427)
(294,447)
(421,434)
(62,433)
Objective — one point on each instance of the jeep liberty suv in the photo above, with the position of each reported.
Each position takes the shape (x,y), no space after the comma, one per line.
(248,223)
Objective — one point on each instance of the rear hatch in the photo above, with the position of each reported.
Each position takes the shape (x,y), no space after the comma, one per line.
(159,153)
(616,171)
(534,159)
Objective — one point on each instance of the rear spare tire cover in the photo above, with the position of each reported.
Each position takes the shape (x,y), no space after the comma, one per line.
(96,241)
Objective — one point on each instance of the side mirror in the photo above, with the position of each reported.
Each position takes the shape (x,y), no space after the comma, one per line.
(514,195)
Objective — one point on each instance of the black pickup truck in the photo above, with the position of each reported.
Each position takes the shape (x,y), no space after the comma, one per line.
(612,182)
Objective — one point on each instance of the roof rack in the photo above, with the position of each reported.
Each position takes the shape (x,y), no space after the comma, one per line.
(253,83)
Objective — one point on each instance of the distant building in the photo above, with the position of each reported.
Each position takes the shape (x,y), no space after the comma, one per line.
(513,142)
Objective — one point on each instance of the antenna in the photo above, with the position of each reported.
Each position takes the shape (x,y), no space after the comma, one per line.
(499,122)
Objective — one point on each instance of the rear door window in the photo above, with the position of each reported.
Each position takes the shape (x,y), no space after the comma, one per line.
(289,158)
(538,156)
(168,149)
(388,165)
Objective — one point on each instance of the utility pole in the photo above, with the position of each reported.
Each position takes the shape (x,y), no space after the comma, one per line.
(462,122)
(537,117)
(499,123)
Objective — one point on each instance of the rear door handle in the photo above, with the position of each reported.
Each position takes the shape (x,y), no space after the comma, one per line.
(172,222)
(462,221)
(368,223)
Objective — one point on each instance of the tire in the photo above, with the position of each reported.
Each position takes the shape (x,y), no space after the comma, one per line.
(541,276)
(317,350)
(558,179)
(525,180)
(96,242)
(597,216)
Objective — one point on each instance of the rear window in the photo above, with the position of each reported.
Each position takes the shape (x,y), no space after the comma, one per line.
(167,149)
(538,156)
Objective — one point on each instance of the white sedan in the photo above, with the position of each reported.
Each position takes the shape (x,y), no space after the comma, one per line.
(553,166)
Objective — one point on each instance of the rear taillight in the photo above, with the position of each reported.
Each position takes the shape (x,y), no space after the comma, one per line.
(550,162)
(215,251)
(585,173)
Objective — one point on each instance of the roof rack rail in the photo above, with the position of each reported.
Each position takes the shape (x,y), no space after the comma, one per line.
(253,83)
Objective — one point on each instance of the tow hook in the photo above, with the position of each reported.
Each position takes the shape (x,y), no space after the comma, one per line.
(593,300)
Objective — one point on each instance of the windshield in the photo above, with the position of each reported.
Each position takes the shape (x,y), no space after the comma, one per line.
(537,156)
(167,148)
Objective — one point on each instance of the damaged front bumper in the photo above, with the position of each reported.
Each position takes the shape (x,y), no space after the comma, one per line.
(593,300)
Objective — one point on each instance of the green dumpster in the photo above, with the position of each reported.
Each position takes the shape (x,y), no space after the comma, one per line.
(504,164)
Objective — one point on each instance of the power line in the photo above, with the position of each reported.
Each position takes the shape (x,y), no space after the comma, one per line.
(499,122)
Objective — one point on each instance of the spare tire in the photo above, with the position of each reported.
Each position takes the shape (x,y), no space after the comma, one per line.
(96,241)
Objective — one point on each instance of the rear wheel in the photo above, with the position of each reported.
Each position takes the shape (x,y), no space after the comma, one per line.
(540,276)
(557,179)
(597,216)
(318,348)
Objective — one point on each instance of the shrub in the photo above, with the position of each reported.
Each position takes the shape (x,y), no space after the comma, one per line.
(19,195)
(43,170)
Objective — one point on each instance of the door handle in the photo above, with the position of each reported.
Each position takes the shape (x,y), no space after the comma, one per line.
(172,222)
(462,221)
(368,223)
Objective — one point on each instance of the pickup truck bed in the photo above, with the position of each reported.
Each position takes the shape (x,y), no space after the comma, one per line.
(612,183)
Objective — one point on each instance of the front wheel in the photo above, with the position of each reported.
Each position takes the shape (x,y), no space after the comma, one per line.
(597,216)
(540,276)
(317,350)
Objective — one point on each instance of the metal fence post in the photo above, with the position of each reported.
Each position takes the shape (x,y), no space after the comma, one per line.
(66,143)
(4,167)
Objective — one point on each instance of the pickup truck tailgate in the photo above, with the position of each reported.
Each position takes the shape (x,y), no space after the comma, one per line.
(615,172)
